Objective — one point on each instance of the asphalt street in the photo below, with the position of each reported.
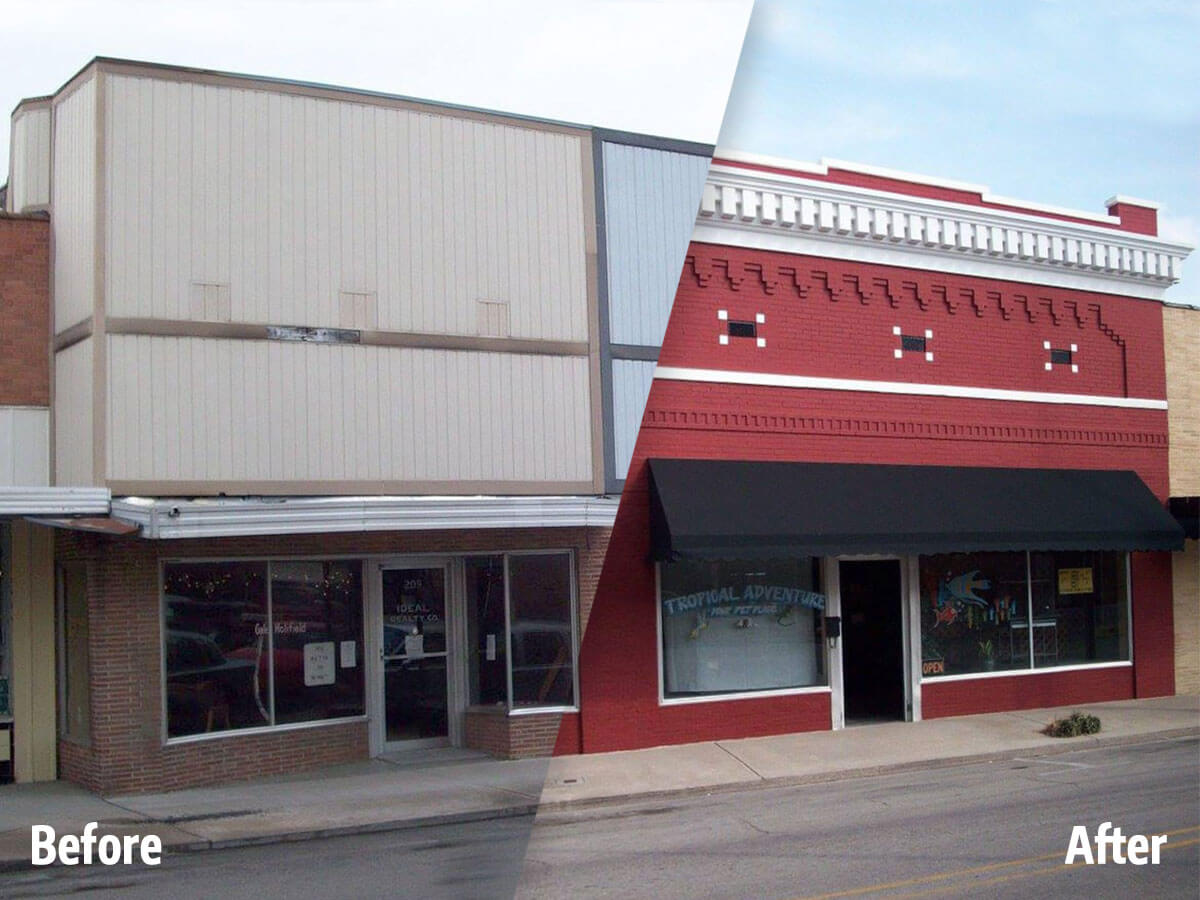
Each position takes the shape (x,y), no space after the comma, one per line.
(998,829)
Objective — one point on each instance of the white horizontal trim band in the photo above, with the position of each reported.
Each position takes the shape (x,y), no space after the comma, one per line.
(772,379)
(1044,670)
(745,695)
(166,518)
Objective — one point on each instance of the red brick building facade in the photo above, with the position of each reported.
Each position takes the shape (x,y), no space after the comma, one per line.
(990,348)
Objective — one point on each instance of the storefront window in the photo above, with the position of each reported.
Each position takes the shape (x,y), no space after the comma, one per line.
(531,625)
(539,590)
(1080,608)
(730,626)
(250,644)
(316,608)
(985,612)
(487,659)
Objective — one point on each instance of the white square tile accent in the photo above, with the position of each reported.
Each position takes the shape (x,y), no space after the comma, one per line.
(762,342)
(1049,366)
(760,318)
(899,353)
(1075,368)
(928,357)
(724,339)
(723,315)
(1045,345)
(1074,348)
(895,329)
(928,333)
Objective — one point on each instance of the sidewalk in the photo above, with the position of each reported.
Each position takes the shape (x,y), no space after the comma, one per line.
(440,787)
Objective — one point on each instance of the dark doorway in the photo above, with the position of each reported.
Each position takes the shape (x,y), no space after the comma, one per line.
(872,640)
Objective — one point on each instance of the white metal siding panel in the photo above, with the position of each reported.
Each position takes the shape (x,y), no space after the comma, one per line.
(29,151)
(631,386)
(292,201)
(650,202)
(73,404)
(73,220)
(24,446)
(230,410)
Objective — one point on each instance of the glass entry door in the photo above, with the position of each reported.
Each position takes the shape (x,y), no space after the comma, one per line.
(414,651)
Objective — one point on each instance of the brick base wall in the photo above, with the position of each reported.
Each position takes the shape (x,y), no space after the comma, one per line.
(512,737)
(126,751)
(1000,694)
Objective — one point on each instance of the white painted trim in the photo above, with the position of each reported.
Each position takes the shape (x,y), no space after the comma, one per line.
(54,501)
(774,379)
(169,518)
(744,695)
(539,710)
(929,259)
(985,193)
(1044,670)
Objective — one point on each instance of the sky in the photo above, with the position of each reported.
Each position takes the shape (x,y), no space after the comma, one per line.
(1066,103)
(659,67)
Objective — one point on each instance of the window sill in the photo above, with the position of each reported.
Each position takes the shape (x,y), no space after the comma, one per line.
(1044,670)
(745,695)
(258,731)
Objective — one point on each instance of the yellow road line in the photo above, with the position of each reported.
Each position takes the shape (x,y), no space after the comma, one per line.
(979,870)
(1050,870)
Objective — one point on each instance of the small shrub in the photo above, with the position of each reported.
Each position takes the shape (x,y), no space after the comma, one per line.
(1073,725)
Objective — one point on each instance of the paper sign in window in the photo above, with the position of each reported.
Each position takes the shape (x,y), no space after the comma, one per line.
(318,663)
(414,645)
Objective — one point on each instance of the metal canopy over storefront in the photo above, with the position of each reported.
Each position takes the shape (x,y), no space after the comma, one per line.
(740,509)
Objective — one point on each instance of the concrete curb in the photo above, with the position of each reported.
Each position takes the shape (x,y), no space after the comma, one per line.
(1081,742)
(1065,745)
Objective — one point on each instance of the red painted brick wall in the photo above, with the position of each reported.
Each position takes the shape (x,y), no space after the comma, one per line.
(956,698)
(831,318)
(25,310)
(127,752)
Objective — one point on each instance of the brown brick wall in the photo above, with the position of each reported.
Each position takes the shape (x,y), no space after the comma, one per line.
(127,751)
(512,737)
(25,310)
(1181,337)
(1185,579)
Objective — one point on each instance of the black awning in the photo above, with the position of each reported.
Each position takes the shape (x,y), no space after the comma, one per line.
(735,509)
(1186,511)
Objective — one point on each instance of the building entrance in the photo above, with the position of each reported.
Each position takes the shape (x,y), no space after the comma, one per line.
(872,640)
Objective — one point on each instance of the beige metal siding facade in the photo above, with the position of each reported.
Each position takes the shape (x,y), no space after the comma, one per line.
(24,446)
(29,159)
(73,415)
(232,204)
(73,189)
(212,410)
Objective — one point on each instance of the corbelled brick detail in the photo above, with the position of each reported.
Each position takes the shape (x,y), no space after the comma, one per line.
(25,310)
(127,750)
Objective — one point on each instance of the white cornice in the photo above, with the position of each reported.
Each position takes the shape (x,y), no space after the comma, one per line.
(794,214)
(167,518)
(984,192)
